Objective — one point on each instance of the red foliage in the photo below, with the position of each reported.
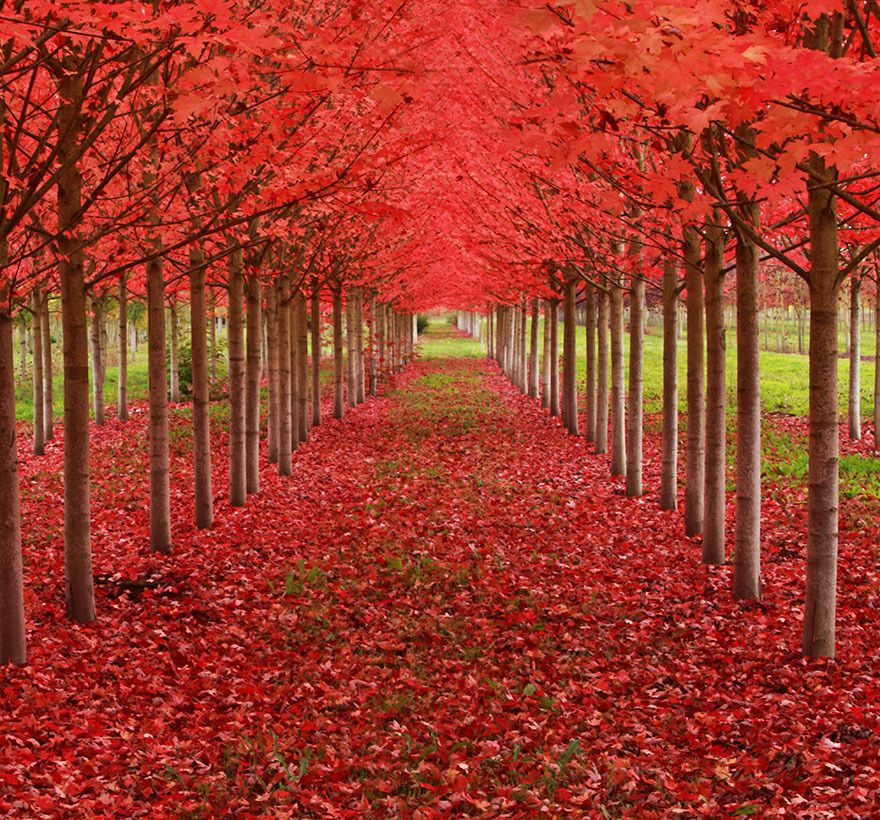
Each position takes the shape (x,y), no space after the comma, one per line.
(446,611)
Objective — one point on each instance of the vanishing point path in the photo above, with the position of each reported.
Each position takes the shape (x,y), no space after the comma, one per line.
(450,610)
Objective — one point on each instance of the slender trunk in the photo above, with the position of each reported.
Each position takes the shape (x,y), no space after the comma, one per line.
(253,371)
(12,625)
(160,483)
(822,503)
(371,330)
(122,341)
(48,391)
(635,396)
(350,355)
(284,427)
(714,487)
(601,445)
(237,443)
(293,352)
(274,408)
(37,332)
(22,345)
(569,357)
(302,369)
(546,358)
(854,416)
(696,429)
(876,367)
(618,387)
(97,356)
(533,349)
(490,333)
(338,364)
(212,336)
(359,375)
(747,560)
(201,418)
(669,468)
(554,357)
(316,356)
(523,361)
(79,590)
(173,367)
(590,425)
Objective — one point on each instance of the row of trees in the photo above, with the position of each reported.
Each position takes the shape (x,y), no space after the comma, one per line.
(463,155)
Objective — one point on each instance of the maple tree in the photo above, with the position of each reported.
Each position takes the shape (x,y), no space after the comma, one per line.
(314,175)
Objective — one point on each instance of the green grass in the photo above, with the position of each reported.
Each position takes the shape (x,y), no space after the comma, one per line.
(784,376)
(438,343)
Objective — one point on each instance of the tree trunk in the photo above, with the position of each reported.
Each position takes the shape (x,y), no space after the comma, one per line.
(877,367)
(359,375)
(48,391)
(201,418)
(37,333)
(747,559)
(569,357)
(533,350)
(12,624)
(338,368)
(274,408)
(300,310)
(635,396)
(293,352)
(97,359)
(590,426)
(822,503)
(22,345)
(212,336)
(618,387)
(854,416)
(173,367)
(714,486)
(696,429)
(669,461)
(237,442)
(79,590)
(122,341)
(285,466)
(160,482)
(553,319)
(371,330)
(350,353)
(316,356)
(253,367)
(546,358)
(523,361)
(601,445)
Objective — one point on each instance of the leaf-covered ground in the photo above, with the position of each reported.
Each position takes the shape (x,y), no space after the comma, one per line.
(450,609)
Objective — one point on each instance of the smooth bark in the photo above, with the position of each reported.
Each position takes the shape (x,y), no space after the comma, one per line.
(854,415)
(696,427)
(201,419)
(823,478)
(253,369)
(237,440)
(338,364)
(747,539)
(714,487)
(590,423)
(79,588)
(635,394)
(122,342)
(669,458)
(601,444)
(618,386)
(569,357)
(13,647)
(39,434)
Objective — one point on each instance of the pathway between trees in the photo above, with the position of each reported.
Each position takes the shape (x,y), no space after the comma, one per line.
(450,606)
